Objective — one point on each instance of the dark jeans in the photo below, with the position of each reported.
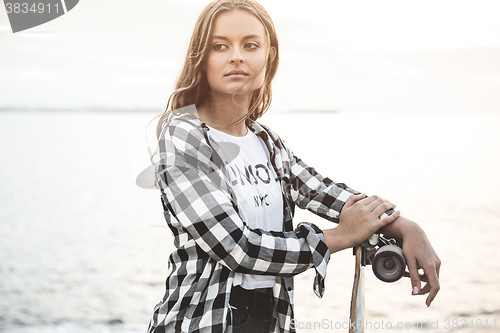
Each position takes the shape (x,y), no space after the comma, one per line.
(251,310)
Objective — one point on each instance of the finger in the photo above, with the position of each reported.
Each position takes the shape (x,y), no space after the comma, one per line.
(426,289)
(434,285)
(379,204)
(353,199)
(374,203)
(423,277)
(438,267)
(414,276)
(388,219)
(382,208)
(370,199)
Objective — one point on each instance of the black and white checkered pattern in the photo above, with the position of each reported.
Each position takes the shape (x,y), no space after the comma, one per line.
(211,240)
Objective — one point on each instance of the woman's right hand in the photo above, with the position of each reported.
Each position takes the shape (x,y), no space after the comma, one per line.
(359,219)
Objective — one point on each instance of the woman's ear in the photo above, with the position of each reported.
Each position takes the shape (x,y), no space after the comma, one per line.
(272,53)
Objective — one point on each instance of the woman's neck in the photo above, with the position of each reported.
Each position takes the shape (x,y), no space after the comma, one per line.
(220,112)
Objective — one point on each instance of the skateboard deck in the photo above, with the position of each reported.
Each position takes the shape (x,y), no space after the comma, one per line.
(356,322)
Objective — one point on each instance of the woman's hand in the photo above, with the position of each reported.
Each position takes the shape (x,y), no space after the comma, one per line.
(359,219)
(419,254)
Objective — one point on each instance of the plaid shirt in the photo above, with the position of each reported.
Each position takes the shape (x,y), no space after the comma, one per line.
(211,240)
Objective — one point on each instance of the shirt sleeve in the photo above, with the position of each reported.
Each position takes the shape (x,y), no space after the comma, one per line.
(190,180)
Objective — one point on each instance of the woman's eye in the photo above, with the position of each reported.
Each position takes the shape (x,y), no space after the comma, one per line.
(219,47)
(252,46)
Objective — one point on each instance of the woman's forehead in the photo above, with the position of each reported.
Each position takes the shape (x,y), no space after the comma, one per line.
(238,24)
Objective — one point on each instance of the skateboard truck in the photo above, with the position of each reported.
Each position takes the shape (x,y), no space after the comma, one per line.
(388,264)
(386,257)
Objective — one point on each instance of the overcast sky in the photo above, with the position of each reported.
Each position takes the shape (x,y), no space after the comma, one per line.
(350,56)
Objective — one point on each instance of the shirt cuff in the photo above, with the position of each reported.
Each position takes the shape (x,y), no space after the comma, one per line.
(320,254)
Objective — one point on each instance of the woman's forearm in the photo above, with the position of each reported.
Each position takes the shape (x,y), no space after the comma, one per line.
(399,227)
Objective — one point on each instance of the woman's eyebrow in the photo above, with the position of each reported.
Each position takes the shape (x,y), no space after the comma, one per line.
(246,37)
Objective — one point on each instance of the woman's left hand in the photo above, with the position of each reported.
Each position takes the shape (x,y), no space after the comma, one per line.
(419,254)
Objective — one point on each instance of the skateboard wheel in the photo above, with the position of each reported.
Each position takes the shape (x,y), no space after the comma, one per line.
(389,263)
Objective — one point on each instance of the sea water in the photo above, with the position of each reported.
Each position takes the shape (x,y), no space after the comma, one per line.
(84,249)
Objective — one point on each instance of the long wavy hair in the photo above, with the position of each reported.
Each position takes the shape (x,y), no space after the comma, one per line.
(192,85)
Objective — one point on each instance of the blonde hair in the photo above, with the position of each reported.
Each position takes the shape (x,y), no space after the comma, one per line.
(192,85)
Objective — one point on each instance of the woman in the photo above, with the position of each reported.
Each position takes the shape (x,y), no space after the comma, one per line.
(229,186)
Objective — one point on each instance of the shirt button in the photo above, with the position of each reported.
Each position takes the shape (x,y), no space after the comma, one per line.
(289,288)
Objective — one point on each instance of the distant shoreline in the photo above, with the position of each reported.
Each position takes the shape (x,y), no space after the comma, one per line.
(306,111)
(117,109)
(76,109)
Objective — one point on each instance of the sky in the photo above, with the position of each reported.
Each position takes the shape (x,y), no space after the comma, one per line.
(440,56)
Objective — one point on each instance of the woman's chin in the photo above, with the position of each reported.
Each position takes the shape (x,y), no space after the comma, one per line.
(238,91)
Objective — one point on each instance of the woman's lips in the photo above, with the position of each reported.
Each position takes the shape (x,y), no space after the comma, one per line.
(236,73)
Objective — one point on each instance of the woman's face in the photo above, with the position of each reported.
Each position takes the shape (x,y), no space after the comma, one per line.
(237,54)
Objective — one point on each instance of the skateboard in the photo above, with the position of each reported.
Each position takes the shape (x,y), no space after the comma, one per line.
(388,264)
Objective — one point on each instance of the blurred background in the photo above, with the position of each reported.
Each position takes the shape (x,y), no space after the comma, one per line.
(399,99)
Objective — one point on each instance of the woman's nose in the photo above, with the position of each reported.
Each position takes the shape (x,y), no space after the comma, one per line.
(236,56)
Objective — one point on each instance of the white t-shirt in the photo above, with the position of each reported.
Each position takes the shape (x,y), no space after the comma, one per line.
(257,191)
